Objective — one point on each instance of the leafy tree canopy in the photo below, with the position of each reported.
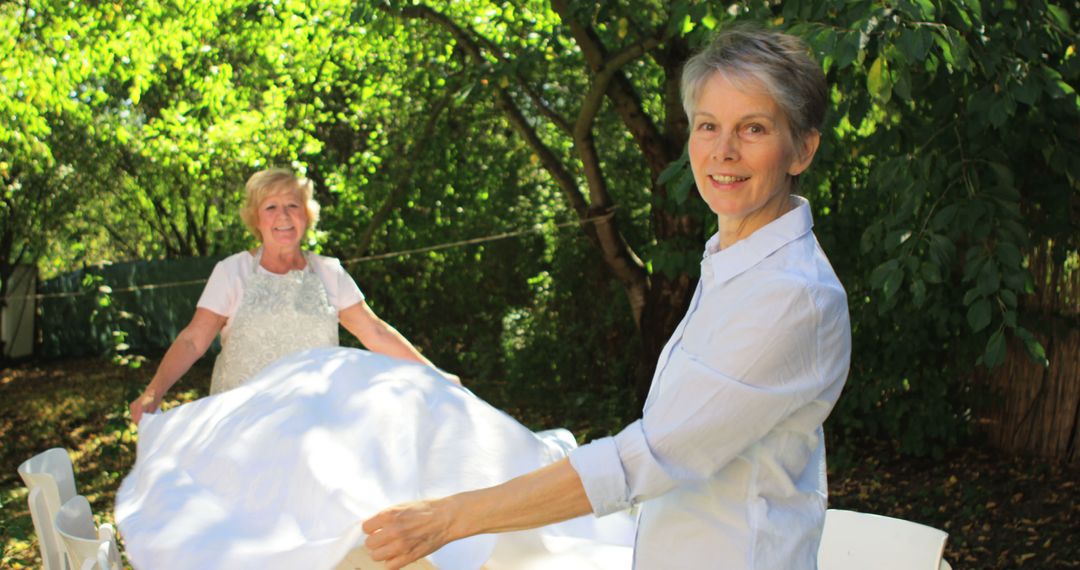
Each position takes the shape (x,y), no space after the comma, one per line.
(949,160)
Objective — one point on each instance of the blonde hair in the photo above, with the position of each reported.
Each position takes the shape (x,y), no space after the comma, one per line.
(273,181)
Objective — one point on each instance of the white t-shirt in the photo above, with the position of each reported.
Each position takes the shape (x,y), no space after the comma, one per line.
(227,282)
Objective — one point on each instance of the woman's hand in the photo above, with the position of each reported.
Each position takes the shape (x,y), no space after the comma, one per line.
(148,401)
(408,532)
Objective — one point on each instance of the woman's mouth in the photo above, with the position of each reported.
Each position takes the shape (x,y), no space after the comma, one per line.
(727,179)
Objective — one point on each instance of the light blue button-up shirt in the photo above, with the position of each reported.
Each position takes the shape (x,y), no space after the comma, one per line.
(728,459)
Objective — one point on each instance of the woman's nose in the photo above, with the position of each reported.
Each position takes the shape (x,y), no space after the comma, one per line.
(726,147)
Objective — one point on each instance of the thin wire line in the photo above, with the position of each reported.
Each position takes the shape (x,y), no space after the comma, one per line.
(111,290)
(402,253)
(536,229)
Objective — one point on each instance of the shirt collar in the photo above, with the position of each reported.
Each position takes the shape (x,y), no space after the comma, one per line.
(721,265)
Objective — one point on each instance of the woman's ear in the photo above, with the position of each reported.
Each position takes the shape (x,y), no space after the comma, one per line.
(804,152)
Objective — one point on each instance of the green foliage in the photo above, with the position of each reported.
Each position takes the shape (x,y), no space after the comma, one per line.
(563,349)
(946,145)
(950,152)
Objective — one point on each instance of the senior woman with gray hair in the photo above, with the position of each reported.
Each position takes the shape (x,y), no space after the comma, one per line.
(728,459)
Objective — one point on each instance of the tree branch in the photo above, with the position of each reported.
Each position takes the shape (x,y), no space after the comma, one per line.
(650,141)
(398,187)
(617,254)
(505,103)
(543,107)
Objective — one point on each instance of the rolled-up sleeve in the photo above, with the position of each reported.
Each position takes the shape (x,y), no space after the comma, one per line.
(746,360)
(602,473)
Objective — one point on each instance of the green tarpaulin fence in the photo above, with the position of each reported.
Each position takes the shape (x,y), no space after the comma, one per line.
(151,301)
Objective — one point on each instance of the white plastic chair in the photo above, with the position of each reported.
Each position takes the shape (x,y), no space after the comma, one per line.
(86,547)
(857,541)
(51,480)
(108,558)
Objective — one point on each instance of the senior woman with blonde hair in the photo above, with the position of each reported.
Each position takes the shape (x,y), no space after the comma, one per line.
(273,300)
(728,459)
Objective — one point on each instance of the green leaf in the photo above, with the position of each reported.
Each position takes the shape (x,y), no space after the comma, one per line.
(1000,110)
(946,47)
(1004,175)
(1026,91)
(927,10)
(682,188)
(709,21)
(1034,348)
(943,219)
(995,349)
(1008,254)
(989,280)
(877,79)
(1009,318)
(931,272)
(918,293)
(978,315)
(1060,16)
(882,272)
(942,249)
(971,295)
(893,282)
(847,50)
(674,168)
(902,87)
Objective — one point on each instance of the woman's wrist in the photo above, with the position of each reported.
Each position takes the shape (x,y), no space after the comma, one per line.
(463,522)
(154,392)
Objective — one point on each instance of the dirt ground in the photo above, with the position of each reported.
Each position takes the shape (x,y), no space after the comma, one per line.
(1000,512)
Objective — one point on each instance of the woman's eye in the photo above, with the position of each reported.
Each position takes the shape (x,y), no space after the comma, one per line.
(754,129)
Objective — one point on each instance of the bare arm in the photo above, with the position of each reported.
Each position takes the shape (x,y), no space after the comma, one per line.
(405,533)
(378,336)
(189,346)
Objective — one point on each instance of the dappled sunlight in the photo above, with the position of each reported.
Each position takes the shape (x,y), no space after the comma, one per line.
(1020,505)
(80,405)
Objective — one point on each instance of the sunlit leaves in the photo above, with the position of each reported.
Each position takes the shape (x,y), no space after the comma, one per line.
(948,154)
(878,81)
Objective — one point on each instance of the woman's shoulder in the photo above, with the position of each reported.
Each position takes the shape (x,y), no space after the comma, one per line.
(323,262)
(805,277)
(239,263)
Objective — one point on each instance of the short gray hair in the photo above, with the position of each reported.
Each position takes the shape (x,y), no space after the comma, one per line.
(780,62)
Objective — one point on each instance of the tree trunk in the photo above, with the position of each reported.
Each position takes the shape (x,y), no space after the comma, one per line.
(1036,410)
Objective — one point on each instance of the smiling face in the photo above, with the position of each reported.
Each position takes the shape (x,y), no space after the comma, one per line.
(743,156)
(282,218)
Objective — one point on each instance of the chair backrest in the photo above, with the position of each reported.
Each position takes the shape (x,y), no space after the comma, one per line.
(108,558)
(856,541)
(52,552)
(108,554)
(75,526)
(51,474)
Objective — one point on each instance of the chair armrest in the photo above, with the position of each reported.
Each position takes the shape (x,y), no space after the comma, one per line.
(106,532)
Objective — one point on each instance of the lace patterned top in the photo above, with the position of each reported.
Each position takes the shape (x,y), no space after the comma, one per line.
(277,315)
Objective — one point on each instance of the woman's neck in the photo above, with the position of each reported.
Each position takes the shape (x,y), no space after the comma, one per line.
(732,231)
(282,259)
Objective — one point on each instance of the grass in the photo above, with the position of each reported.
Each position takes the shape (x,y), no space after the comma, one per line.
(1000,512)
